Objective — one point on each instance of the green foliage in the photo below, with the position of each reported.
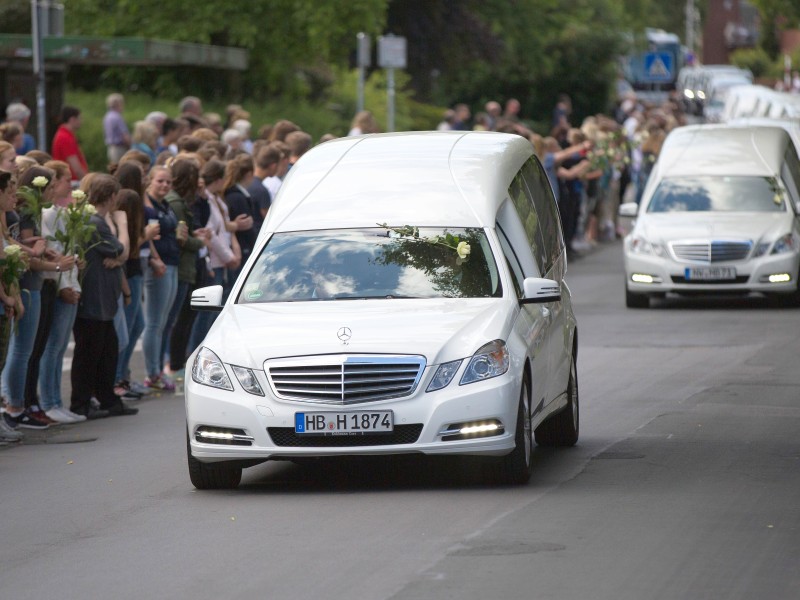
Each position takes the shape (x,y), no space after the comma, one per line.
(757,60)
(281,35)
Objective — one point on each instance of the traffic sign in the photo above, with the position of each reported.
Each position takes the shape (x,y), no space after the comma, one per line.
(392,52)
(658,67)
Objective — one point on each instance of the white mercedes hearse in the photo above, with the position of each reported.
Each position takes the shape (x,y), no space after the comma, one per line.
(719,214)
(406,295)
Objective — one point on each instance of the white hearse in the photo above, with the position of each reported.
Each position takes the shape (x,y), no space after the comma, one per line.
(719,214)
(406,295)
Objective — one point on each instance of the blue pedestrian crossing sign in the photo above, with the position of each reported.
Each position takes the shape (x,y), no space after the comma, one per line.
(658,67)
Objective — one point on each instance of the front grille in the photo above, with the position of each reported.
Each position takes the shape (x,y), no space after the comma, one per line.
(681,279)
(711,251)
(402,434)
(343,379)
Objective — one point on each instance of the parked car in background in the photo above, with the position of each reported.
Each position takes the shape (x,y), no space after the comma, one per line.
(719,215)
(406,296)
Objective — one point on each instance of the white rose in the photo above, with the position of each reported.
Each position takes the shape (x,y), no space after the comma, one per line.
(13,251)
(40,181)
(89,209)
(463,249)
(78,195)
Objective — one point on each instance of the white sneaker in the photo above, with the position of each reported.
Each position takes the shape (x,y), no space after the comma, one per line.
(57,415)
(74,416)
(7,433)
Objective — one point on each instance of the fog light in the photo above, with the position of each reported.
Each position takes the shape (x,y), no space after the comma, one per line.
(215,435)
(780,278)
(223,435)
(474,429)
(644,278)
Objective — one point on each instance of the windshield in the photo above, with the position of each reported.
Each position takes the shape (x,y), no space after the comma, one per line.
(718,194)
(390,262)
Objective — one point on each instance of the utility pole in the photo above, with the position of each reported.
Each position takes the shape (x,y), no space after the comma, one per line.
(690,26)
(38,73)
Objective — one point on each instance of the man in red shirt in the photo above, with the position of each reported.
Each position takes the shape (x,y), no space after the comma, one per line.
(65,144)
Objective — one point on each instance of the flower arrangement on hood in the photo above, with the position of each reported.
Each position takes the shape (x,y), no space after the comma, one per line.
(448,240)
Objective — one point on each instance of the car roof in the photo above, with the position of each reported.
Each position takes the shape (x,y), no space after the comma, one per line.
(723,150)
(792,126)
(455,179)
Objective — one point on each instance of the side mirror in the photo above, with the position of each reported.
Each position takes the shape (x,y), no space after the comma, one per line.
(628,209)
(207,298)
(539,291)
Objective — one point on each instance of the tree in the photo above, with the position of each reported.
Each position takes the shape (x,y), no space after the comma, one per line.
(281,35)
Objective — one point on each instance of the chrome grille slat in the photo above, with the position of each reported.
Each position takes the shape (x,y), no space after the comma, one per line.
(344,379)
(711,251)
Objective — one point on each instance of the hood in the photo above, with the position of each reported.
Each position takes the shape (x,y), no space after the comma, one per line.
(757,227)
(438,329)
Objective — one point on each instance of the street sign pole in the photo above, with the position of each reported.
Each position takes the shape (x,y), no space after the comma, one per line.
(38,73)
(391,56)
(364,60)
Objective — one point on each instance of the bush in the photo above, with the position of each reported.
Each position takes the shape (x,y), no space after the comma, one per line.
(755,59)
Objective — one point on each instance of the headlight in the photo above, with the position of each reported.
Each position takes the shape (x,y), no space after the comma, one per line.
(247,379)
(787,243)
(208,370)
(489,361)
(444,375)
(639,245)
(761,249)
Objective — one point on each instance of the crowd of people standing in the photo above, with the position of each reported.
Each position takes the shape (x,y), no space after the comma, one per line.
(180,207)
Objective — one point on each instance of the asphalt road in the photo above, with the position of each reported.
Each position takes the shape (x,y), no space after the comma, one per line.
(685,484)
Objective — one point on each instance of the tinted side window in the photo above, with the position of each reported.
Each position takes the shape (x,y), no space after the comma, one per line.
(545,206)
(520,196)
(792,165)
(512,261)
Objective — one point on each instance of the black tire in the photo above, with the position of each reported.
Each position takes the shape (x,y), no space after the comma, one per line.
(634,300)
(563,428)
(212,476)
(516,467)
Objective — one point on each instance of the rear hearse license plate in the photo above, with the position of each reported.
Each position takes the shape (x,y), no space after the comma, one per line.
(344,423)
(710,274)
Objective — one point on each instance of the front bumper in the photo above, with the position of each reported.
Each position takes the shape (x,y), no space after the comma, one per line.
(751,275)
(433,412)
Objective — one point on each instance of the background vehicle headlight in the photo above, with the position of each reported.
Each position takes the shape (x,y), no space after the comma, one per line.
(489,361)
(639,245)
(444,375)
(788,243)
(208,370)
(247,379)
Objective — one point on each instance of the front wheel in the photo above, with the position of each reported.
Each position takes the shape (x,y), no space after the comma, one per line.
(634,300)
(212,476)
(562,429)
(517,466)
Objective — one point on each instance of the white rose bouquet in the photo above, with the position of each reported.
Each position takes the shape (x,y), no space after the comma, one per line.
(33,202)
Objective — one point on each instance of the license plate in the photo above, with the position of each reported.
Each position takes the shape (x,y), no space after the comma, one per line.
(344,423)
(710,273)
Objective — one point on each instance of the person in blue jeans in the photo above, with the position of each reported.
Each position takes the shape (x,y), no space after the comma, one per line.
(160,276)
(25,232)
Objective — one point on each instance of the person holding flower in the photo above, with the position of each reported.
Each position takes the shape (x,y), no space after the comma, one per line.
(61,225)
(94,361)
(34,193)
(12,265)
